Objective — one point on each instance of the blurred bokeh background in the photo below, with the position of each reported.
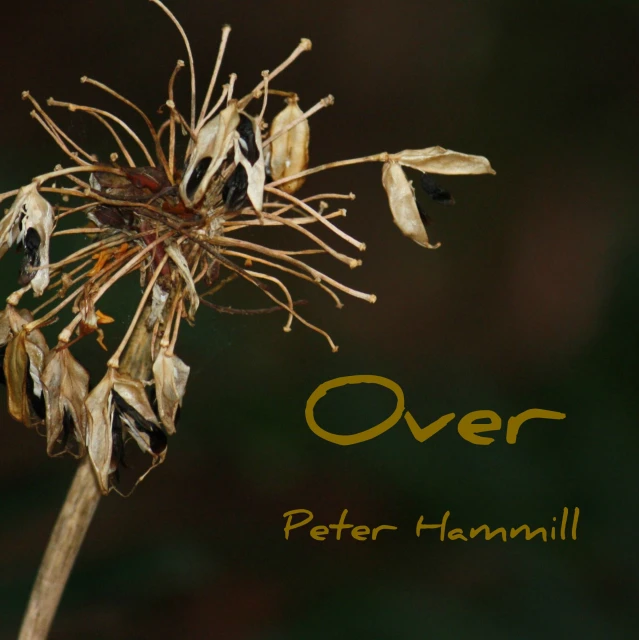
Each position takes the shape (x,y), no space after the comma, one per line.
(532,301)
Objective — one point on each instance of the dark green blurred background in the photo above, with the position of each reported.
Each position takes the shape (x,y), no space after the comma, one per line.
(532,301)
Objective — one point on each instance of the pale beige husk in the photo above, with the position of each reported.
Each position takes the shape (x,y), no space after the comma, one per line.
(100,408)
(24,358)
(255,172)
(401,199)
(66,387)
(170,375)
(214,140)
(289,151)
(443,161)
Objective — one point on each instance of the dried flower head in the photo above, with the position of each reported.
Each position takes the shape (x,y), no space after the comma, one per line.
(175,218)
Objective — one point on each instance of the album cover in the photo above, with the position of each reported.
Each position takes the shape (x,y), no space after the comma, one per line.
(319,320)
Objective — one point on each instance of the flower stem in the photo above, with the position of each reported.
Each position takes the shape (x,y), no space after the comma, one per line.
(64,544)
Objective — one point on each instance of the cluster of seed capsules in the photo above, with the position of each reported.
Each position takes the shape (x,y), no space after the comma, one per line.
(175,219)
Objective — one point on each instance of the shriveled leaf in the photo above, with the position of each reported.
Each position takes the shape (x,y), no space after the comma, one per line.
(170,375)
(443,161)
(66,387)
(289,151)
(401,199)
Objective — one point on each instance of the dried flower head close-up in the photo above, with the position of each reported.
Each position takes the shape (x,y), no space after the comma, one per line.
(317,319)
(169,207)
(171,212)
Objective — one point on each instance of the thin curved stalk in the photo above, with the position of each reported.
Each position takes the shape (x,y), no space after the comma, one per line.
(63,547)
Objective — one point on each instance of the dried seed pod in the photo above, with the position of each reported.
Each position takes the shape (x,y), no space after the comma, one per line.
(250,158)
(444,161)
(118,408)
(170,375)
(214,142)
(23,364)
(36,227)
(30,222)
(66,387)
(401,198)
(289,151)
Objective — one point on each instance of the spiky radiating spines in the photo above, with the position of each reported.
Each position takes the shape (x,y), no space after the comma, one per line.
(174,221)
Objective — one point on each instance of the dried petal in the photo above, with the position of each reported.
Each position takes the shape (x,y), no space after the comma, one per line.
(401,198)
(214,142)
(66,386)
(444,161)
(170,375)
(289,151)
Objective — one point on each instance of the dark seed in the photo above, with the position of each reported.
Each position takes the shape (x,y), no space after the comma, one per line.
(247,135)
(68,428)
(197,176)
(37,402)
(426,219)
(435,192)
(117,447)
(158,440)
(234,191)
(31,256)
(3,379)
(31,241)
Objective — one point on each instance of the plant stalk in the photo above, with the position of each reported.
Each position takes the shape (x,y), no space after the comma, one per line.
(78,509)
(64,544)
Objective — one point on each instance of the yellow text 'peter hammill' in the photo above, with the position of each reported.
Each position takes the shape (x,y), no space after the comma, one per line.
(556,529)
